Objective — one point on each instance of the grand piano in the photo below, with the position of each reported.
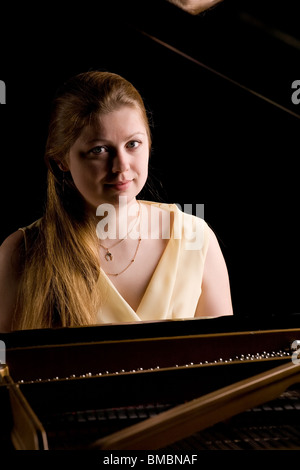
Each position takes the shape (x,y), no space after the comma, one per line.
(198,384)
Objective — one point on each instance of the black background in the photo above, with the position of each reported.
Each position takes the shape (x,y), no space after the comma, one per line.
(225,131)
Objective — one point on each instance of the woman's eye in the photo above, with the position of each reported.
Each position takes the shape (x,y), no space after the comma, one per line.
(133,144)
(100,149)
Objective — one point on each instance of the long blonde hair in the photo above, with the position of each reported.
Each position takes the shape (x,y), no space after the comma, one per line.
(61,268)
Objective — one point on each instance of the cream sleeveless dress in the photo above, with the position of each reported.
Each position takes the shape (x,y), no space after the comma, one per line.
(175,286)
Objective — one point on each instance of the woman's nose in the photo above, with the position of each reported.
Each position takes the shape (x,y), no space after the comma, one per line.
(120,162)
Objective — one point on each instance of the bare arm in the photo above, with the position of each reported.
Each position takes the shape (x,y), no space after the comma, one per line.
(9,278)
(215,299)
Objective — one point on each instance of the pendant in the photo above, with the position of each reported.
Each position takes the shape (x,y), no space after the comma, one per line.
(108,256)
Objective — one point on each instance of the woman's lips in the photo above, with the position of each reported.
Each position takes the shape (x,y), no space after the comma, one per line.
(121,185)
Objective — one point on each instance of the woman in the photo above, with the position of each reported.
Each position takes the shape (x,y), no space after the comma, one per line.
(99,255)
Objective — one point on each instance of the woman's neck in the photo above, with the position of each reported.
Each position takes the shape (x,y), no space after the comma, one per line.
(117,221)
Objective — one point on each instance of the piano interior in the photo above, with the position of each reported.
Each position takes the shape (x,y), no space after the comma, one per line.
(207,384)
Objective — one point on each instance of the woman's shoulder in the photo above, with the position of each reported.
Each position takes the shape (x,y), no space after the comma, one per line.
(10,244)
(10,267)
(11,251)
(11,247)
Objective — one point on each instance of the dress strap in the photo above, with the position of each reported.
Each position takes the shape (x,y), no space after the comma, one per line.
(25,239)
(28,231)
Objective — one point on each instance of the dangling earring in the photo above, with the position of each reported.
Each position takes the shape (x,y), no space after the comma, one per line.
(63,169)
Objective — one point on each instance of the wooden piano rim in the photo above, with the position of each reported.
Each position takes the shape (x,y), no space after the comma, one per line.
(183,347)
(159,338)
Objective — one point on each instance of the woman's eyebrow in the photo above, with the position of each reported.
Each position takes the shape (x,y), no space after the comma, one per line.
(133,135)
(101,139)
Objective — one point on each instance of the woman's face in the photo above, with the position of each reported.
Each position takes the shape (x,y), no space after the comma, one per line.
(110,158)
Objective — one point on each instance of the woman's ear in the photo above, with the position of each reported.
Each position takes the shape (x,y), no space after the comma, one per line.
(62,166)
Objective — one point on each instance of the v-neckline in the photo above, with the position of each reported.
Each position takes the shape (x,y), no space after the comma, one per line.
(152,280)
